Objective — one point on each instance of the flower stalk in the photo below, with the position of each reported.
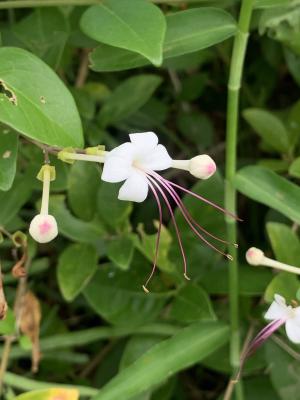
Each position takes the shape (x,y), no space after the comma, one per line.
(257,257)
(235,75)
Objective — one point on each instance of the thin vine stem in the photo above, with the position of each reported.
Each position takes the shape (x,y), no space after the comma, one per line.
(10,4)
(234,84)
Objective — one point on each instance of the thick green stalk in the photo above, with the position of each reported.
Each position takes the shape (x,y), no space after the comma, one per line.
(50,3)
(236,69)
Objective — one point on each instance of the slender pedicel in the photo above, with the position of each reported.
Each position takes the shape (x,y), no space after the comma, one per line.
(255,256)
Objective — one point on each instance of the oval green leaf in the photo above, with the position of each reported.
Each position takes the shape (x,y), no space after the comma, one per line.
(8,158)
(135,25)
(187,31)
(268,188)
(76,266)
(184,349)
(35,102)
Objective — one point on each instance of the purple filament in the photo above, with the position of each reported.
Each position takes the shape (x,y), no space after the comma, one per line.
(159,185)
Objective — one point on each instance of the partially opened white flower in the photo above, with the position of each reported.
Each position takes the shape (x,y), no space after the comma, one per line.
(289,315)
(136,163)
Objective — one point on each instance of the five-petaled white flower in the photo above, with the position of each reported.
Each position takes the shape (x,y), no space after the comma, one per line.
(290,316)
(136,163)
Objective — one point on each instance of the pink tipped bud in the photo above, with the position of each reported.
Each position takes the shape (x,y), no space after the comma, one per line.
(43,228)
(202,167)
(255,256)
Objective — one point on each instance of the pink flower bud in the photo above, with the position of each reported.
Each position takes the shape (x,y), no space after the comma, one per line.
(255,256)
(202,166)
(43,228)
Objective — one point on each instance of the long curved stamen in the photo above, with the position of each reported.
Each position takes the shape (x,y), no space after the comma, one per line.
(193,221)
(200,198)
(180,205)
(174,223)
(259,339)
(157,238)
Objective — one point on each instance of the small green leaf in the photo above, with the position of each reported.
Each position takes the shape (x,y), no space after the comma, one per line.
(285,284)
(269,128)
(76,266)
(120,251)
(8,325)
(8,157)
(83,185)
(118,297)
(187,32)
(294,169)
(32,99)
(192,304)
(112,211)
(280,235)
(266,187)
(119,105)
(184,349)
(72,227)
(135,25)
(12,200)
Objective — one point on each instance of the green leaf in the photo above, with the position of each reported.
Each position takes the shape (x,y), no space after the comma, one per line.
(8,325)
(187,32)
(120,251)
(285,284)
(8,158)
(76,266)
(44,32)
(284,371)
(147,245)
(135,25)
(192,304)
(280,235)
(266,187)
(112,211)
(119,105)
(118,297)
(84,182)
(271,3)
(33,98)
(269,128)
(72,227)
(189,346)
(12,200)
(294,169)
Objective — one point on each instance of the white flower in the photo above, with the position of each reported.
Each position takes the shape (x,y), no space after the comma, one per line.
(131,161)
(279,310)
(135,162)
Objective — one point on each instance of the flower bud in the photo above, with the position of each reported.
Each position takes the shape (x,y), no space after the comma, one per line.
(43,228)
(255,256)
(202,166)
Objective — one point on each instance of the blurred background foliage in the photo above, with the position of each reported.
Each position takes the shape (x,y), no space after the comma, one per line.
(99,331)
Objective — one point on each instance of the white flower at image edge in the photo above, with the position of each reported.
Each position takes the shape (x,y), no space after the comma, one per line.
(279,310)
(131,161)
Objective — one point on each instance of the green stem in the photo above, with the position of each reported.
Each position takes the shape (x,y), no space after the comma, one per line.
(19,382)
(50,3)
(235,75)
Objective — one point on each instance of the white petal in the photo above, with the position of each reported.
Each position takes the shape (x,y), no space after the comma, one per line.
(144,140)
(277,311)
(279,299)
(157,160)
(292,327)
(135,188)
(118,163)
